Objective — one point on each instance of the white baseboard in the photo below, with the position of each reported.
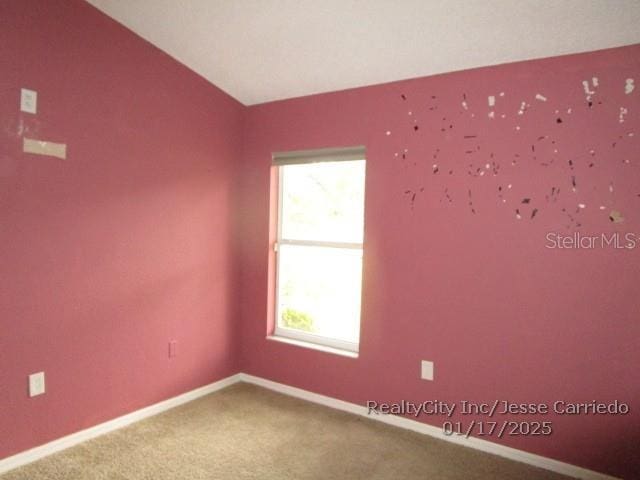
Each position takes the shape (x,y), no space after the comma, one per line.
(63,443)
(413,425)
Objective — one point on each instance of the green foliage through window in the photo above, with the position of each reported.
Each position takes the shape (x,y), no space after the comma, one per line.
(295,319)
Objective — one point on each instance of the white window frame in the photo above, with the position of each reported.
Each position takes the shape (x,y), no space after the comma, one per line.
(303,157)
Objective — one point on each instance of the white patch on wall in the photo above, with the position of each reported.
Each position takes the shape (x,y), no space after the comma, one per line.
(464,105)
(587,88)
(40,147)
(629,86)
(540,97)
(523,108)
(492,100)
(492,114)
(623,112)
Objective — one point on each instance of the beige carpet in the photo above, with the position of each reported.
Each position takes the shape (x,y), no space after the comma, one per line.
(246,432)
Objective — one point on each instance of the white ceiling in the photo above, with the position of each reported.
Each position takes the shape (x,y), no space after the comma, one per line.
(263,50)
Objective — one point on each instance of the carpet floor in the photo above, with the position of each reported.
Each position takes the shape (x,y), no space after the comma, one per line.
(247,432)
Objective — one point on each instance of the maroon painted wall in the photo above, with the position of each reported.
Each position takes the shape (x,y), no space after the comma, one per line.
(451,274)
(123,246)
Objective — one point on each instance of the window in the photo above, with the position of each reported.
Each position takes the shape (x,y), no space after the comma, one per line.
(319,246)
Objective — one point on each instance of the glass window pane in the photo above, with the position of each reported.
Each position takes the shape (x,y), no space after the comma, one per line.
(319,291)
(323,201)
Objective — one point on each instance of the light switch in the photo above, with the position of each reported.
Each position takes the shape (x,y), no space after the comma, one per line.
(36,384)
(28,101)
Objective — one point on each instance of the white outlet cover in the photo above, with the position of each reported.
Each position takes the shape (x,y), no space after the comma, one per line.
(426,372)
(36,384)
(28,101)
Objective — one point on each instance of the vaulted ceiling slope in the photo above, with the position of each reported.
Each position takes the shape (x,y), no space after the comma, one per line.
(264,50)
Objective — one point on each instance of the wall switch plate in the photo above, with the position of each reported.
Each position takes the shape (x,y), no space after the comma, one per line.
(28,101)
(36,384)
(173,348)
(426,372)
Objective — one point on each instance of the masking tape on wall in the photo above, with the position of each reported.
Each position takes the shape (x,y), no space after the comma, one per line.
(40,147)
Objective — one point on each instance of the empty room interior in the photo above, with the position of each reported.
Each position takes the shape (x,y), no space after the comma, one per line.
(338,239)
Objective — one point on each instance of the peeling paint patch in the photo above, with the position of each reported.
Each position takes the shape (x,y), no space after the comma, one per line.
(491,100)
(464,101)
(587,90)
(616,217)
(523,108)
(540,97)
(629,86)
(623,112)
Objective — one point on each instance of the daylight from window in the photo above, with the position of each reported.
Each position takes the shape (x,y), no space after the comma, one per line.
(320,251)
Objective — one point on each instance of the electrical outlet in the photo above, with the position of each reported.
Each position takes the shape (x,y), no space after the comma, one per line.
(426,372)
(28,101)
(173,348)
(36,384)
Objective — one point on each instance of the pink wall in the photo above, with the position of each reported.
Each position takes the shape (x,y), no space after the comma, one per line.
(127,244)
(131,241)
(453,275)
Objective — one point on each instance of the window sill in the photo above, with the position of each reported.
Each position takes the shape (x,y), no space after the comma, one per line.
(313,346)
